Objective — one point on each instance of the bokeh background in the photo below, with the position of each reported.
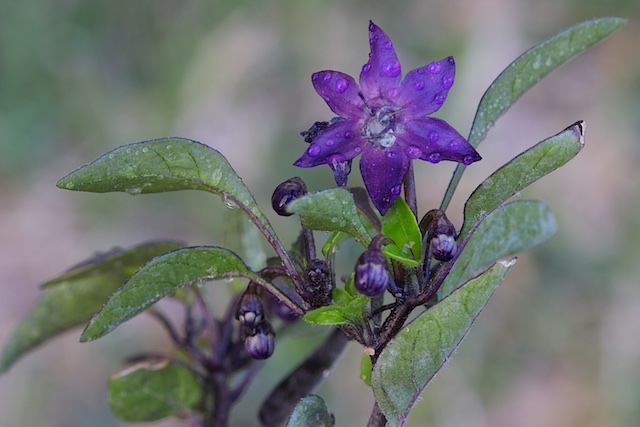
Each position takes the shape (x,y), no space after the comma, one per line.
(557,346)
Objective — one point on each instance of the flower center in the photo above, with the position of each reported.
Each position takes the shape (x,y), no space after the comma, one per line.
(381,126)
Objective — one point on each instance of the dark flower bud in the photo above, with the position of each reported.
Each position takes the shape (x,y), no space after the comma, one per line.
(282,311)
(260,341)
(285,193)
(319,283)
(250,311)
(441,235)
(341,169)
(371,276)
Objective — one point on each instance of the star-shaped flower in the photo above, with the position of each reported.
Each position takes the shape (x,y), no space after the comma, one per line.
(385,120)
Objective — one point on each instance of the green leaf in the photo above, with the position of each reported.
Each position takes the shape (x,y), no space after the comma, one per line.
(525,72)
(329,315)
(333,243)
(167,164)
(162,276)
(311,411)
(341,297)
(73,298)
(400,225)
(416,354)
(365,369)
(525,169)
(150,392)
(331,210)
(513,227)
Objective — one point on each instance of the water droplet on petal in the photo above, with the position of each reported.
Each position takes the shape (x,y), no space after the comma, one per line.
(315,77)
(348,135)
(391,155)
(433,136)
(451,61)
(391,67)
(439,99)
(388,44)
(447,82)
(467,160)
(419,85)
(413,152)
(392,93)
(357,149)
(434,157)
(366,67)
(330,142)
(341,85)
(434,68)
(313,150)
(421,71)
(395,191)
(326,77)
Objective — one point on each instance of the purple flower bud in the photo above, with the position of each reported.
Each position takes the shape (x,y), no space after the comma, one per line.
(441,235)
(282,311)
(285,193)
(260,341)
(371,275)
(250,311)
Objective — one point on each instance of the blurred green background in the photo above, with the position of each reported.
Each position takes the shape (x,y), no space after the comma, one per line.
(557,345)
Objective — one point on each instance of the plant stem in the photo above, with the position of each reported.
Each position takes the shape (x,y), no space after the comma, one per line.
(377,418)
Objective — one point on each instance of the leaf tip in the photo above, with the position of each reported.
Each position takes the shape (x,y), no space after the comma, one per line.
(578,128)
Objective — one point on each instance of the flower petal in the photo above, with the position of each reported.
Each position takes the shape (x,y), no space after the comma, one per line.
(380,76)
(341,139)
(434,140)
(383,172)
(340,91)
(425,89)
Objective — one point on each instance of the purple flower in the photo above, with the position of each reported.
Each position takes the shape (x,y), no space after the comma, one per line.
(385,120)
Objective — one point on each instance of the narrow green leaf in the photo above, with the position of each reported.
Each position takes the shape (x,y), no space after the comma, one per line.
(523,170)
(333,243)
(331,210)
(162,276)
(513,227)
(416,354)
(341,297)
(365,369)
(150,392)
(311,411)
(400,225)
(73,298)
(525,72)
(166,164)
(532,66)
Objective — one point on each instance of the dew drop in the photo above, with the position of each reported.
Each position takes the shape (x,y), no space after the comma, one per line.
(388,44)
(357,149)
(348,135)
(145,149)
(447,82)
(315,77)
(229,203)
(391,155)
(313,150)
(391,67)
(421,70)
(329,143)
(392,93)
(70,184)
(413,152)
(111,156)
(537,62)
(434,157)
(133,191)
(128,150)
(467,160)
(366,67)
(169,147)
(419,85)
(451,61)
(433,136)
(395,191)
(434,68)
(439,99)
(341,86)
(326,77)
